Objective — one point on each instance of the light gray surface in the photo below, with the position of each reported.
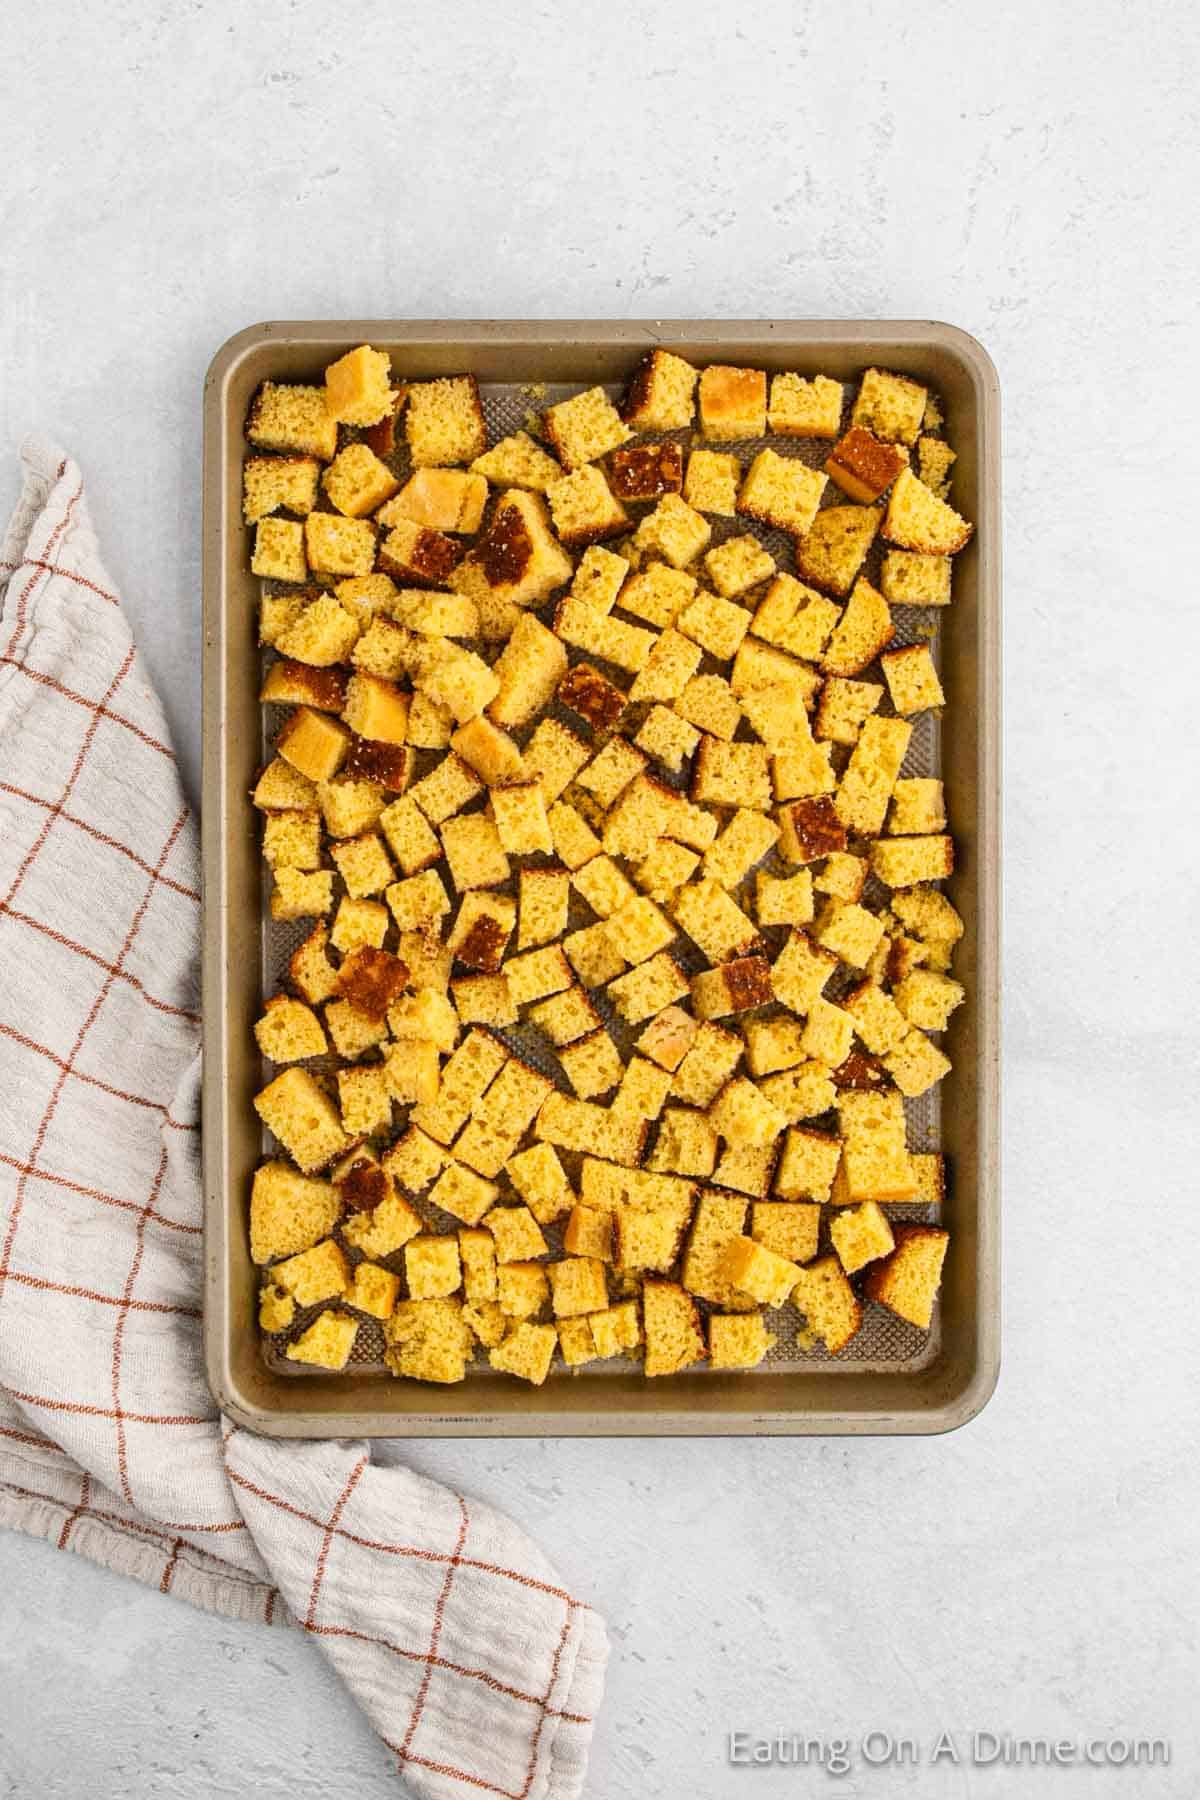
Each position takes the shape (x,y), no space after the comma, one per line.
(175,172)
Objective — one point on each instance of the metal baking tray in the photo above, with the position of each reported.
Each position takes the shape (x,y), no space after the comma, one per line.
(897,1379)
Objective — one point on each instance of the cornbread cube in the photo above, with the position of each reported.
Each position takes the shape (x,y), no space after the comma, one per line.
(875,1162)
(428,614)
(712,481)
(929,916)
(834,548)
(428,958)
(516,1234)
(741,1114)
(365,1101)
(566,1016)
(908,1282)
(844,876)
(611,770)
(276,1310)
(590,694)
(661,393)
(667,669)
(584,508)
(863,630)
(789,1228)
(870,775)
(890,406)
(288,416)
(539,1178)
(708,702)
(373,1290)
(358,387)
(518,462)
(442,499)
(909,579)
(918,807)
(376,709)
(428,1340)
(644,1090)
(349,806)
(544,896)
(418,901)
(918,520)
(736,775)
(714,921)
(537,973)
(926,999)
(801,408)
(781,491)
(575,843)
(584,427)
(338,546)
(526,1352)
(665,870)
(363,865)
(357,482)
(658,593)
(501,1119)
(863,467)
(667,737)
(272,482)
(474,850)
(289,1212)
(327,1343)
(388,650)
(300,895)
(737,1341)
(912,679)
(829,1304)
(783,901)
(577,1286)
(674,530)
(592,1065)
(427,1015)
(719,1219)
(648,988)
(747,1168)
(412,1071)
(599,577)
(668,1037)
(916,1064)
(465,1078)
(905,862)
(371,980)
(589,1232)
(800,972)
(484,1000)
(432,1267)
(464,1194)
(843,708)
(648,810)
(790,685)
(486,1321)
(528,670)
(686,1144)
(460,681)
(314,1275)
(309,969)
(554,756)
(366,596)
(278,611)
(931,1179)
(292,840)
(647,1237)
(411,840)
(314,743)
(757,1272)
(799,771)
(850,931)
(444,422)
(828,1033)
(733,402)
(445,790)
(387,766)
(606,1185)
(807,1167)
(592,956)
(736,986)
(582,625)
(860,1235)
(795,617)
(638,930)
(646,472)
(877,1019)
(576,1342)
(717,624)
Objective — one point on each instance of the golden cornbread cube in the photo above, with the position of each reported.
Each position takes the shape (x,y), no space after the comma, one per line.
(463,1193)
(736,986)
(412,1071)
(517,561)
(708,702)
(273,482)
(639,930)
(276,1310)
(742,1114)
(584,427)
(773,1044)
(428,1340)
(309,969)
(714,921)
(686,1143)
(912,679)
(788,1227)
(584,508)
(831,1307)
(667,737)
(446,789)
(907,1282)
(566,1016)
(486,1322)
(409,837)
(592,1065)
(539,1178)
(719,1220)
(589,1233)
(321,1273)
(477,1253)
(474,850)
(875,1162)
(929,916)
(444,423)
(905,862)
(844,707)
(373,1290)
(357,482)
(860,1235)
(432,1267)
(806,1169)
(554,756)
(289,1212)
(863,466)
(918,807)
(289,416)
(665,870)
(917,519)
(611,770)
(339,546)
(802,1092)
(757,1272)
(376,708)
(639,818)
(828,1033)
(674,530)
(870,775)
(713,622)
(544,899)
(833,550)
(864,629)
(292,840)
(759,665)
(648,988)
(661,393)
(575,843)
(591,955)
(646,472)
(734,775)
(537,973)
(386,766)
(795,617)
(314,743)
(910,579)
(442,499)
(366,596)
(523,1289)
(667,669)
(590,694)
(580,624)
(279,550)
(298,894)
(844,876)
(647,1237)
(931,1178)
(428,958)
(518,462)
(576,1342)
(577,1286)
(733,402)
(492,753)
(466,1077)
(415,1160)
(916,1064)
(358,387)
(783,900)
(747,1168)
(737,1340)
(599,578)
(890,406)
(484,1000)
(327,1343)
(849,931)
(927,999)
(800,971)
(417,901)
(526,1352)
(802,408)
(801,770)
(388,650)
(644,1089)
(427,1015)
(781,491)
(279,611)
(877,1019)
(460,681)
(353,1030)
(607,1185)
(711,482)
(363,865)
(658,593)
(289,1031)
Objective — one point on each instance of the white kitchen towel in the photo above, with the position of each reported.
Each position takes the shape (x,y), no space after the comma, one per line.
(472,1661)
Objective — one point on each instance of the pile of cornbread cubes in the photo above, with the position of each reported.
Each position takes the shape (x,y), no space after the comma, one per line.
(623,940)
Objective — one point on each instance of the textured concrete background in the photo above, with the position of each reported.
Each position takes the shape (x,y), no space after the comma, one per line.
(173,172)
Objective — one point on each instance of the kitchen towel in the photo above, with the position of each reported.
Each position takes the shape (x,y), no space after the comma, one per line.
(474,1663)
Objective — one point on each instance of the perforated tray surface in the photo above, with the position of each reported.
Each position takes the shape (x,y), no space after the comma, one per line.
(885,1341)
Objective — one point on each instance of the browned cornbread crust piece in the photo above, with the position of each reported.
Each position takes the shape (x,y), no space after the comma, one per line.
(646,808)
